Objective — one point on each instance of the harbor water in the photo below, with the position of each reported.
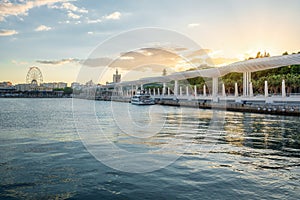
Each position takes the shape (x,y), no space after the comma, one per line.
(208,154)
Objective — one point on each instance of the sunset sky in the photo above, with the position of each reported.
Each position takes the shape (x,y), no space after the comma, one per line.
(57,35)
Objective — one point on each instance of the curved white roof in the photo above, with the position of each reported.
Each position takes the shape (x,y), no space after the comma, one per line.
(242,66)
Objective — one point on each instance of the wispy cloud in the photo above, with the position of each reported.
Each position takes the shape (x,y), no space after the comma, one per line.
(74,12)
(114,16)
(139,60)
(19,62)
(42,28)
(4,32)
(193,25)
(199,53)
(72,7)
(15,9)
(59,62)
(96,62)
(147,59)
(93,21)
(91,62)
(220,61)
(73,16)
(126,58)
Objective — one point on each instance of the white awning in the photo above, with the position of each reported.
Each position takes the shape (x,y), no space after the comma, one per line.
(252,65)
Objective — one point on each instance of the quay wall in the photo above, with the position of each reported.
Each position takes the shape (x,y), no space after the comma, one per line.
(282,108)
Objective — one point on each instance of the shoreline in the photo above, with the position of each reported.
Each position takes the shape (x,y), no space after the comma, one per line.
(266,108)
(284,109)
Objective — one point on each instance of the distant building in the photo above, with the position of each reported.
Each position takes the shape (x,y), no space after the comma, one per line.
(116,77)
(48,85)
(23,87)
(6,87)
(62,85)
(90,83)
(54,85)
(75,85)
(164,72)
(5,84)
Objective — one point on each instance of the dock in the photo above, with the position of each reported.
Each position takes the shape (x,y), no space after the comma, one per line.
(289,106)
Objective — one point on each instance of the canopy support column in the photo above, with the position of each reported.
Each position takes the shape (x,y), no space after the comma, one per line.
(164,89)
(180,91)
(236,90)
(266,89)
(246,83)
(176,88)
(215,87)
(187,91)
(283,92)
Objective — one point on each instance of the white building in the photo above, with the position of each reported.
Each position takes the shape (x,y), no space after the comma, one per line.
(75,85)
(54,85)
(23,87)
(62,85)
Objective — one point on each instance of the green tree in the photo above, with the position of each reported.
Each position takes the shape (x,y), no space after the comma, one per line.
(68,90)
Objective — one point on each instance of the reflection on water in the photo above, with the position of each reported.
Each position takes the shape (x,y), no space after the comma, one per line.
(252,156)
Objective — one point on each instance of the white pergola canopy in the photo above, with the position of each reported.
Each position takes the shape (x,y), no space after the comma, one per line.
(240,67)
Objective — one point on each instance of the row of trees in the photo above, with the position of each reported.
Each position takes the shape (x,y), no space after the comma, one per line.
(67,90)
(292,82)
(291,75)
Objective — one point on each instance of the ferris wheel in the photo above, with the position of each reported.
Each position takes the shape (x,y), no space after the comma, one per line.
(34,76)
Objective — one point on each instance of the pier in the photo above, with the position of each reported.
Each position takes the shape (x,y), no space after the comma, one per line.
(255,105)
(213,93)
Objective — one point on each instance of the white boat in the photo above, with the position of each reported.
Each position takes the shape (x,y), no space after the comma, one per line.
(142,99)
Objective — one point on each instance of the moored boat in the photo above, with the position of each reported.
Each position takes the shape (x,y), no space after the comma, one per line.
(142,99)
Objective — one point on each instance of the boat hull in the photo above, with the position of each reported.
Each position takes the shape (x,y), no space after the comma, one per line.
(142,103)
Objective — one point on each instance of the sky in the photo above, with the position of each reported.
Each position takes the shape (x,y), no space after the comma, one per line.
(62,37)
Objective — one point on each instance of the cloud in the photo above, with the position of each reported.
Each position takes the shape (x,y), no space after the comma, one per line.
(221,61)
(19,62)
(199,52)
(193,25)
(126,58)
(146,59)
(4,32)
(153,59)
(180,49)
(59,62)
(73,11)
(91,62)
(96,62)
(91,21)
(64,22)
(72,7)
(73,16)
(15,9)
(197,60)
(114,16)
(43,28)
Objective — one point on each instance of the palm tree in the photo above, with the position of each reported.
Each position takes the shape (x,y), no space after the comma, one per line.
(274,83)
(288,82)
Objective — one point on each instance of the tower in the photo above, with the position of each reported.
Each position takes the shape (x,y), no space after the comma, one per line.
(117,77)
